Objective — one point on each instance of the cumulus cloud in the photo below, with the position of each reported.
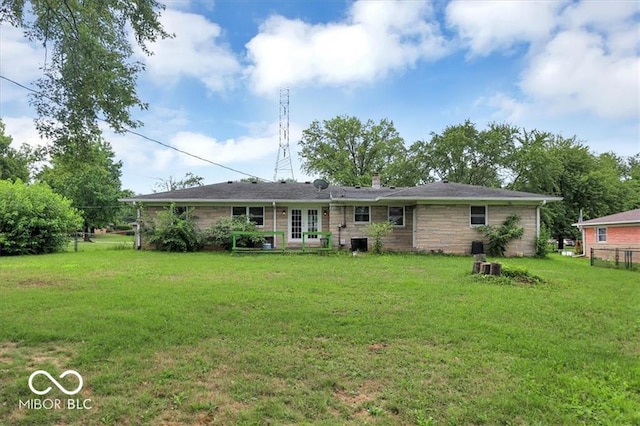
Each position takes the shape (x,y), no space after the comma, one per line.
(489,26)
(245,148)
(195,52)
(21,61)
(576,72)
(375,39)
(585,60)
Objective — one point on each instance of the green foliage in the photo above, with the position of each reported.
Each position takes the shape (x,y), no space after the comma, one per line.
(500,236)
(89,72)
(34,219)
(219,234)
(378,231)
(13,164)
(89,177)
(348,152)
(464,154)
(521,275)
(542,242)
(174,230)
(171,184)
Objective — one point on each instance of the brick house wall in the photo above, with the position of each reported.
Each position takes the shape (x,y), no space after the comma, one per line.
(617,237)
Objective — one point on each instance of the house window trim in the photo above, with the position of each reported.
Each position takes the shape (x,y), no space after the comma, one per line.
(404,216)
(361,222)
(598,228)
(486,215)
(246,213)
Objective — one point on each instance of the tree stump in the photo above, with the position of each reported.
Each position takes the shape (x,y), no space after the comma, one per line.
(476,267)
(495,269)
(485,268)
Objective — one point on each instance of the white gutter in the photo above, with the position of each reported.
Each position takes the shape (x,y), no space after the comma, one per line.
(537,221)
(275,217)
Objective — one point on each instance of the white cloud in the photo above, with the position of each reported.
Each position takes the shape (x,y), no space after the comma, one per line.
(194,52)
(588,61)
(21,61)
(376,38)
(489,26)
(22,130)
(242,149)
(575,72)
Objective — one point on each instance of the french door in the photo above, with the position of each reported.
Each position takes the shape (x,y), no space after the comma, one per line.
(304,220)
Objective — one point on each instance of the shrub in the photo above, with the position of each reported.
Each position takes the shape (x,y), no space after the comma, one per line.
(174,231)
(34,219)
(542,242)
(378,231)
(500,236)
(219,234)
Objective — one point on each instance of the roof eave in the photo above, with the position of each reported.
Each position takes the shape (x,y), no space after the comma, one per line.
(624,222)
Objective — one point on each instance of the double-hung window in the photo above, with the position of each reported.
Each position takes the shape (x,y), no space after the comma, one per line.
(601,235)
(362,214)
(254,214)
(477,215)
(396,216)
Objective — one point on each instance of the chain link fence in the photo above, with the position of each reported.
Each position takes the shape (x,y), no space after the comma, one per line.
(623,258)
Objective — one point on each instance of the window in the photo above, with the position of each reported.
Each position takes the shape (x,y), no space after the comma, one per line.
(180,210)
(361,214)
(396,216)
(601,235)
(478,215)
(255,214)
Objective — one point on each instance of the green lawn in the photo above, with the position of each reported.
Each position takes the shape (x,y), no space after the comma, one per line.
(212,338)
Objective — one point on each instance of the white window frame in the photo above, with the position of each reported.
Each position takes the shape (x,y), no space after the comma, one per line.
(486,215)
(404,216)
(355,214)
(246,213)
(598,240)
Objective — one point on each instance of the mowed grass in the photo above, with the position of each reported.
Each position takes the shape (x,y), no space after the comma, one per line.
(213,338)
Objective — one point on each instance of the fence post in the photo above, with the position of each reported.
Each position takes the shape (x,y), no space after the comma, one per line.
(75,241)
(591,256)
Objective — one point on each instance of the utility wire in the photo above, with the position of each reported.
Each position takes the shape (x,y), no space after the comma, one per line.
(144,136)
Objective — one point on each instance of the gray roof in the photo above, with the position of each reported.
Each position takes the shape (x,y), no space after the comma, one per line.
(631,216)
(305,192)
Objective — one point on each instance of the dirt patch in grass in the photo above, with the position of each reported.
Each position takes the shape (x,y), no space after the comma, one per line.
(36,282)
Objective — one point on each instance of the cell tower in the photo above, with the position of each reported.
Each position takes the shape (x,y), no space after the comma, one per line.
(284,167)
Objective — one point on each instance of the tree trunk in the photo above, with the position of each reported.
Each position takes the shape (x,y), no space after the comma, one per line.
(87,235)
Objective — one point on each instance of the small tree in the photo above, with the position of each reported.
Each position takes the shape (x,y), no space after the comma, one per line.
(542,242)
(219,233)
(174,230)
(500,236)
(378,231)
(34,219)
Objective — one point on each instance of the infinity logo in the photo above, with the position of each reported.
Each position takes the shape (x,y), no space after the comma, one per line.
(55,382)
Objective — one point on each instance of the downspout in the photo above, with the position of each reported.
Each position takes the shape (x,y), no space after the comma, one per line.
(275,228)
(138,228)
(537,221)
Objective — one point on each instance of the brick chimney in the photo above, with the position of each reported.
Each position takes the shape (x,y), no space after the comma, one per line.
(375,181)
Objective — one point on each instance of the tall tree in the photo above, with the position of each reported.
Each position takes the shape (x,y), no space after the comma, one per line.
(464,154)
(346,151)
(92,184)
(88,72)
(188,181)
(14,164)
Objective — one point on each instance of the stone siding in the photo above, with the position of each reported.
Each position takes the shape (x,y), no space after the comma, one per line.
(447,228)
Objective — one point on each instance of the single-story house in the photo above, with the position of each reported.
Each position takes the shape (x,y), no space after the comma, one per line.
(616,231)
(440,216)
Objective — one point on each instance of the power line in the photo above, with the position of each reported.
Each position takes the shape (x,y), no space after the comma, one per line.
(150,139)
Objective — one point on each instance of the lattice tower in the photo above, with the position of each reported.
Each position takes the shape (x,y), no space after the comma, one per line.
(284,167)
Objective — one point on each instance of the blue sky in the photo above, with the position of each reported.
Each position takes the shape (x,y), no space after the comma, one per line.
(568,67)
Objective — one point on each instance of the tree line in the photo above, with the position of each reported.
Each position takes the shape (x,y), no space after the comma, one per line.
(346,151)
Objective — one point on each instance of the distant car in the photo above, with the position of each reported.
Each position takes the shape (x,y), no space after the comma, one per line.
(568,242)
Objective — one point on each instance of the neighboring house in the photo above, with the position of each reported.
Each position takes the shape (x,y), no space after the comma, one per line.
(620,230)
(438,216)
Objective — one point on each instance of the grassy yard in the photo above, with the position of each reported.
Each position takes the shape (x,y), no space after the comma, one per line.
(211,338)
